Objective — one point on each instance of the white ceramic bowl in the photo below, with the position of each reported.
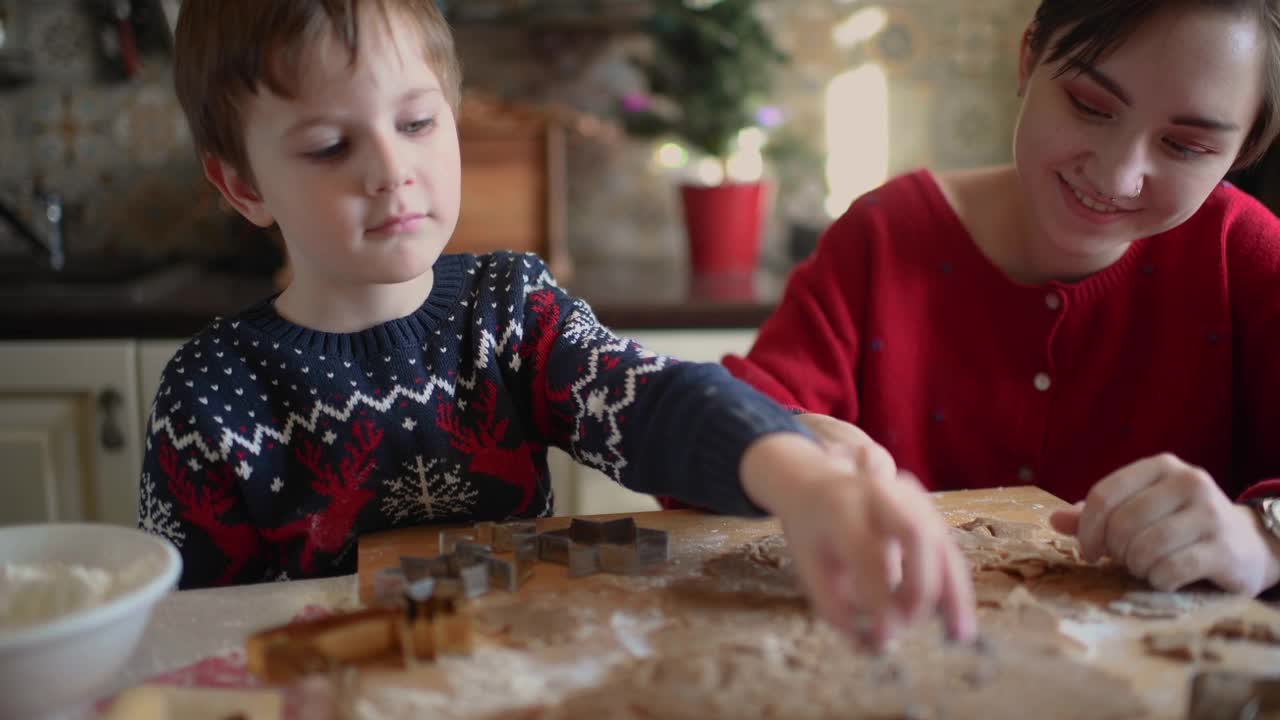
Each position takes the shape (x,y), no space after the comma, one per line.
(56,666)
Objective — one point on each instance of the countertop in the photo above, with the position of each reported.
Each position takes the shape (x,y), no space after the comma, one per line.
(181,300)
(196,637)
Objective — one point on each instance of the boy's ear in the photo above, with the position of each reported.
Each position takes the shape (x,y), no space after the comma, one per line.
(237,189)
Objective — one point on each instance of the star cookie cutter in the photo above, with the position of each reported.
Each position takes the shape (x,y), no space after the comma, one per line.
(465,566)
(502,537)
(619,547)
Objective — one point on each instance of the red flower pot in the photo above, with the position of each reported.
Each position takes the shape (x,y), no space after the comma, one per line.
(723,223)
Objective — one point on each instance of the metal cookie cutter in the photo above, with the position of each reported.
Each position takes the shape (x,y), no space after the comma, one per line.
(502,537)
(505,536)
(518,537)
(1225,695)
(505,574)
(436,626)
(462,572)
(614,546)
(470,569)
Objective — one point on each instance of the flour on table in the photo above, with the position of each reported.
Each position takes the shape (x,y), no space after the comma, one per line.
(735,637)
(1156,605)
(788,664)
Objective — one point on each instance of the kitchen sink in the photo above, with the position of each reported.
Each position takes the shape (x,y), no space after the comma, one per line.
(122,279)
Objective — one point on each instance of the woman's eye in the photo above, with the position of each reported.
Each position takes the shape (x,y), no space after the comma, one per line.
(1184,151)
(1087,109)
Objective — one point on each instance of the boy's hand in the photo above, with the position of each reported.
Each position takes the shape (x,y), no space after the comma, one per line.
(1169,523)
(832,432)
(870,548)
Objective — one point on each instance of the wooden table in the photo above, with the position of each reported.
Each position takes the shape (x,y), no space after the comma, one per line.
(1110,642)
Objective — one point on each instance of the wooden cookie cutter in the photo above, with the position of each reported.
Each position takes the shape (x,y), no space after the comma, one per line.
(420,630)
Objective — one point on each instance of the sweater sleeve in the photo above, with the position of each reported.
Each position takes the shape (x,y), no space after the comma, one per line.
(653,423)
(1253,256)
(806,354)
(191,496)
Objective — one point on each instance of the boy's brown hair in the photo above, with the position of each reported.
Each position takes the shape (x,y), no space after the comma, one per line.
(1095,27)
(225,50)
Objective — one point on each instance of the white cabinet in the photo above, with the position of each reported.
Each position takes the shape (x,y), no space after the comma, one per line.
(70,443)
(591,491)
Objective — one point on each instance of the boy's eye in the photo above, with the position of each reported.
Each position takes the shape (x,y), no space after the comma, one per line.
(416,126)
(1088,109)
(327,152)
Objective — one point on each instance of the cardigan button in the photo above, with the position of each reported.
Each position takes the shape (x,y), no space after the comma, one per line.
(1042,381)
(1026,474)
(1052,301)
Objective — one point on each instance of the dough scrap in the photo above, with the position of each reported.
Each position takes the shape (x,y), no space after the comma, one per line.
(1235,628)
(1181,646)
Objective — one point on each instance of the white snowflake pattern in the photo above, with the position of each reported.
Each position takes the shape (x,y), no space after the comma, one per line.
(430,490)
(597,402)
(276,484)
(410,423)
(329,437)
(584,331)
(194,464)
(156,515)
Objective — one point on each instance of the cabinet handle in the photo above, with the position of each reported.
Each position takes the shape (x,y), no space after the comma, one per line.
(109,401)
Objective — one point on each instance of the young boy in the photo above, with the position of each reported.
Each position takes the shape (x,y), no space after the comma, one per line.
(389,385)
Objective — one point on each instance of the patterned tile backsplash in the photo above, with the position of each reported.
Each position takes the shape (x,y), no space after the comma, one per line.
(119,153)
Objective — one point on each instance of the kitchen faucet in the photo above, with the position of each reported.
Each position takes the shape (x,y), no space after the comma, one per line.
(51,243)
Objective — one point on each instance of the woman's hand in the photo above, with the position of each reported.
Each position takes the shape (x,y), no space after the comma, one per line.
(872,551)
(1169,523)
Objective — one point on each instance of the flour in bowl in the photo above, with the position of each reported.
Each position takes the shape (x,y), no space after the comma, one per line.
(32,593)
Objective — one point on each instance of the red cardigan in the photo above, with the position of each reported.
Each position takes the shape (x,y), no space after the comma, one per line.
(898,323)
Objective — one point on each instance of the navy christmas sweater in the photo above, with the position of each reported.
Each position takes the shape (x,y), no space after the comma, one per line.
(272,447)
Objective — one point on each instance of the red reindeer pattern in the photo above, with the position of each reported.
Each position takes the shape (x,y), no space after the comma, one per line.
(548,403)
(204,506)
(513,466)
(329,530)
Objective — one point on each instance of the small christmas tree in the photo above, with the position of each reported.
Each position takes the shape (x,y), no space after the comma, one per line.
(711,65)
